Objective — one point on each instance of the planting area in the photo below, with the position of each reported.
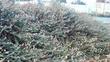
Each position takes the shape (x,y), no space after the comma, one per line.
(30,33)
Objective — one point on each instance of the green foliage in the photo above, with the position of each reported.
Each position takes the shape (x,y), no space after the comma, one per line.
(30,33)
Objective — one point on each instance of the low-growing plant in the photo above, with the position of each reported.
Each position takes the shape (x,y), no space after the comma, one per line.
(30,33)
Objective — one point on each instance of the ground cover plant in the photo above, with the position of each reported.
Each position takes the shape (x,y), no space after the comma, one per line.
(30,33)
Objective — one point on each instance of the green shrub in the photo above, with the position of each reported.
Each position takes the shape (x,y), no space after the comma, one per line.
(32,33)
